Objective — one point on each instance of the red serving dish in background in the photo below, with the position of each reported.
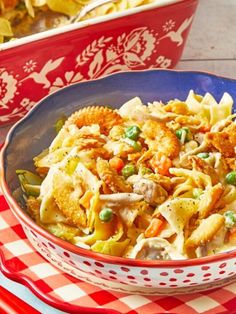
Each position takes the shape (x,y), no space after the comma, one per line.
(152,36)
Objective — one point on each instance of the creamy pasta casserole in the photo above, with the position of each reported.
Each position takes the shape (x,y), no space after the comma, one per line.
(155,181)
(19,18)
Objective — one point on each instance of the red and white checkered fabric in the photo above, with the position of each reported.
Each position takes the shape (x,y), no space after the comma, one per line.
(20,260)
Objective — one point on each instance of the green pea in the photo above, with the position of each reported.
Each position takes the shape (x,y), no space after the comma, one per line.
(203,155)
(180,133)
(197,192)
(231,178)
(132,132)
(144,170)
(230,219)
(136,145)
(106,214)
(128,170)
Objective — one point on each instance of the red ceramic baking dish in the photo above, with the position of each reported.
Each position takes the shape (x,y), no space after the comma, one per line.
(150,36)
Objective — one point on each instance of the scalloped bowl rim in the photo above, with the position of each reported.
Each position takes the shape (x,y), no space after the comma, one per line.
(22,216)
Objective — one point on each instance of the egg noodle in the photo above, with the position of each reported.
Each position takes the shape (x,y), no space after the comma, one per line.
(19,18)
(155,181)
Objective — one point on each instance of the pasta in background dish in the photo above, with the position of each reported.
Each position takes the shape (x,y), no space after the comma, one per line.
(19,18)
(155,181)
(118,6)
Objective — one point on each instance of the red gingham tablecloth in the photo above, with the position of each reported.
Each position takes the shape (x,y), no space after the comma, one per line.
(19,259)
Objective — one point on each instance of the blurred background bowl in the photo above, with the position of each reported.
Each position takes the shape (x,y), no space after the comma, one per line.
(35,132)
(150,36)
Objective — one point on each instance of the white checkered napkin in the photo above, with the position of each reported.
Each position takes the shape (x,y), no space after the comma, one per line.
(70,292)
(203,304)
(3,224)
(231,288)
(134,301)
(18,248)
(63,290)
(43,270)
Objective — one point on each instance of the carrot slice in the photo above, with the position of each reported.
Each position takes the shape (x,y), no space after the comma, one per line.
(154,228)
(161,164)
(116,163)
(10,3)
(205,128)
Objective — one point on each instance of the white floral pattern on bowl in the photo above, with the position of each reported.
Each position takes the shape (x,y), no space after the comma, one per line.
(151,38)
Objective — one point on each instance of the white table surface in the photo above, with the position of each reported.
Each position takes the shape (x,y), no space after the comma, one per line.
(211,46)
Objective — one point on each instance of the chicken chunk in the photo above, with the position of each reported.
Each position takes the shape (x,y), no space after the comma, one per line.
(154,249)
(152,192)
(121,198)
